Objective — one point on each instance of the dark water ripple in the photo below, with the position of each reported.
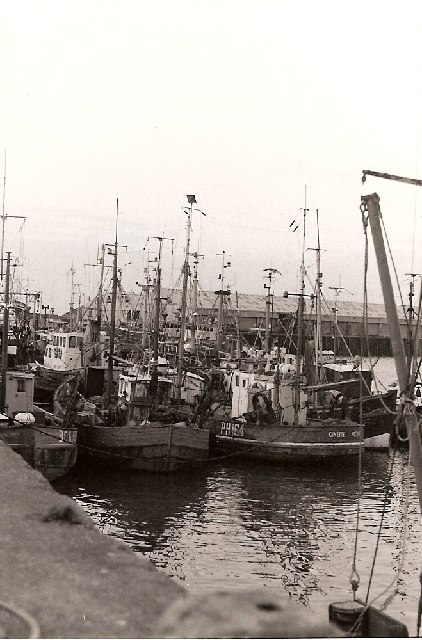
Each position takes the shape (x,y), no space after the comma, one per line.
(245,524)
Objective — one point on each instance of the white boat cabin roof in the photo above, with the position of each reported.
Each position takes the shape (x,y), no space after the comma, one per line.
(145,379)
(346,367)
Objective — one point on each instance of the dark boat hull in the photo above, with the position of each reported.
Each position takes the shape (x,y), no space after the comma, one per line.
(49,450)
(160,448)
(316,441)
(378,417)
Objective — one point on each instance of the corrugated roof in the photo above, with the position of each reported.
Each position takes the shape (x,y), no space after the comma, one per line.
(254,304)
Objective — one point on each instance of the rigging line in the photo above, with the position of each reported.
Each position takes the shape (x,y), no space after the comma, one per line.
(395,273)
(384,508)
(416,341)
(356,625)
(354,576)
(365,322)
(403,544)
(414,227)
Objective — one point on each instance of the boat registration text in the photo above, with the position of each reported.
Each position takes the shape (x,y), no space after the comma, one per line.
(231,429)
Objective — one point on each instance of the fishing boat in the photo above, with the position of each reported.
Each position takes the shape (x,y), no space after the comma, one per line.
(143,430)
(45,442)
(269,411)
(348,385)
(268,420)
(144,425)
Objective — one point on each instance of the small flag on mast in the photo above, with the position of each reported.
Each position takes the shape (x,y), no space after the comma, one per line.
(191,199)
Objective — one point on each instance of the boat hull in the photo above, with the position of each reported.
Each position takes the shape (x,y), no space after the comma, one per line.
(50,450)
(286,444)
(379,426)
(157,447)
(378,417)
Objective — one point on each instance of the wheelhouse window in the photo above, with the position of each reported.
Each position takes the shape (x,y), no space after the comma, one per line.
(21,385)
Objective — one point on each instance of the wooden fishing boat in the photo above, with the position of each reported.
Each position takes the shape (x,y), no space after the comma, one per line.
(269,411)
(154,447)
(143,430)
(267,423)
(144,425)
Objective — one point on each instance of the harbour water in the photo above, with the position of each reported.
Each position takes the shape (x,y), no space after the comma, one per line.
(241,524)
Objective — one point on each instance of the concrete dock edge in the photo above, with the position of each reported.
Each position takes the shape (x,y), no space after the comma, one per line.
(56,565)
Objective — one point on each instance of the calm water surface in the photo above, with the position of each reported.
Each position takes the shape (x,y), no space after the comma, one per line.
(246,524)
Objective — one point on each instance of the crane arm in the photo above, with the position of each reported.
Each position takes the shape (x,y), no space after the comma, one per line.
(389,176)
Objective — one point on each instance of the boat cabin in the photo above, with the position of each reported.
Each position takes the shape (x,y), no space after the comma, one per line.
(64,351)
(247,387)
(136,390)
(345,371)
(19,392)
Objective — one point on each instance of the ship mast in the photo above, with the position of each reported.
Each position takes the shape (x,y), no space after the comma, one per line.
(194,310)
(268,300)
(181,352)
(221,293)
(156,335)
(5,338)
(112,317)
(300,321)
(4,217)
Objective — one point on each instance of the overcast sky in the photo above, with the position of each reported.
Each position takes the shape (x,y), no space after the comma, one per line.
(241,102)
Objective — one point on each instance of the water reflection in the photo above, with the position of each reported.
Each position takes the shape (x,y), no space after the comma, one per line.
(250,524)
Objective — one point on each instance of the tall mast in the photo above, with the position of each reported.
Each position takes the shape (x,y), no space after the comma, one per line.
(145,288)
(194,311)
(300,321)
(181,353)
(267,316)
(318,285)
(412,328)
(112,316)
(5,339)
(271,272)
(100,290)
(221,293)
(238,346)
(154,372)
(72,298)
(4,217)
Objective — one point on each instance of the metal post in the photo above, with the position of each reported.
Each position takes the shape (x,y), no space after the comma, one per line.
(371,203)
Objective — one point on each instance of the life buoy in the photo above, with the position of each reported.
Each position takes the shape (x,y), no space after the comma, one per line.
(256,403)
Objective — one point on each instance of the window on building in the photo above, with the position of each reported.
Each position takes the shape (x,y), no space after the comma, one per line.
(21,385)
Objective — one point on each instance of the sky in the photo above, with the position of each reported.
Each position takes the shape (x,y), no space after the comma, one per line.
(260,108)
